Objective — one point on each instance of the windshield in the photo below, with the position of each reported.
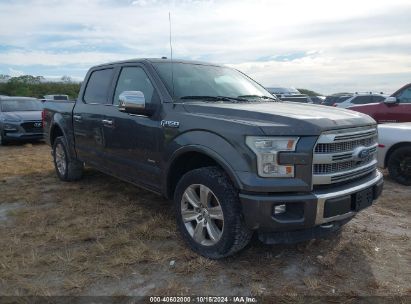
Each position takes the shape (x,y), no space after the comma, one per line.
(14,105)
(191,80)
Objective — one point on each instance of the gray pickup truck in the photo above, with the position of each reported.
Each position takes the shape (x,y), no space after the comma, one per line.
(234,159)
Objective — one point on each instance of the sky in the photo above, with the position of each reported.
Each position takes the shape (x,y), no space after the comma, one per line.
(327,46)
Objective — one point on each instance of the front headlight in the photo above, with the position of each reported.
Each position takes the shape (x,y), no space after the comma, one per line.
(9,127)
(266,149)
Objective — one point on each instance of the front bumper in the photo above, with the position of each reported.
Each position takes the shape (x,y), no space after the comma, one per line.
(22,136)
(308,211)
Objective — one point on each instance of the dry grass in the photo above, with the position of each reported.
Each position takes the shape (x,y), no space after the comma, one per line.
(103,236)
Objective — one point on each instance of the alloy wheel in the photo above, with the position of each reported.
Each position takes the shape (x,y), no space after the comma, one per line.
(60,158)
(202,214)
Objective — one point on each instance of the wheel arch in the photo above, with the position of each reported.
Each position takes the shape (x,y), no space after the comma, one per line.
(55,132)
(193,157)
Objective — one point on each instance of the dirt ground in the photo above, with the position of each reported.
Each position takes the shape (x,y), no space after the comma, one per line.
(101,236)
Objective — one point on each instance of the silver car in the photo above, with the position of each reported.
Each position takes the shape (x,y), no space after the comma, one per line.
(394,150)
(20,119)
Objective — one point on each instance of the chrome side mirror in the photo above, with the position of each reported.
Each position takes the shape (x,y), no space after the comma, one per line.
(132,102)
(390,100)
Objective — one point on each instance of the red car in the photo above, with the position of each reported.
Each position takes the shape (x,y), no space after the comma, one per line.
(396,108)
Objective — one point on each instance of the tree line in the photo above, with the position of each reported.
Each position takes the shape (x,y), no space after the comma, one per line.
(37,86)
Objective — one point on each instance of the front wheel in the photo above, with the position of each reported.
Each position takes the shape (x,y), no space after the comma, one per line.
(67,169)
(399,165)
(209,214)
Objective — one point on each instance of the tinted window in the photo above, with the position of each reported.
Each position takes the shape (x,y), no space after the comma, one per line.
(60,97)
(378,98)
(404,96)
(20,105)
(134,79)
(98,86)
(362,100)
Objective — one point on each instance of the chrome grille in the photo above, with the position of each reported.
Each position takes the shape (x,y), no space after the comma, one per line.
(32,126)
(345,146)
(344,154)
(341,166)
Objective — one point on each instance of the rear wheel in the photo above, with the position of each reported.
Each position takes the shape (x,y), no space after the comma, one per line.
(209,215)
(67,169)
(399,165)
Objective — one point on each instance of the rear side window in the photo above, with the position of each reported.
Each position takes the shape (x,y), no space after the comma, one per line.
(98,86)
(378,98)
(362,100)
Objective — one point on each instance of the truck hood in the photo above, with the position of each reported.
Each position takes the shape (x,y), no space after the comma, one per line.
(276,118)
(22,115)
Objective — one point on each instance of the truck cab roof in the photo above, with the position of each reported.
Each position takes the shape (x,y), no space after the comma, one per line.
(154,60)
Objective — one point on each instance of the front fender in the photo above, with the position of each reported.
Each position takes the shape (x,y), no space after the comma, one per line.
(212,145)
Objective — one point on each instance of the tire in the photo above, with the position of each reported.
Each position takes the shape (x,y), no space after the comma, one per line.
(221,229)
(399,165)
(67,169)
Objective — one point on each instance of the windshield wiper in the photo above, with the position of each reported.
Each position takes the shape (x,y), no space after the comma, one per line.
(214,98)
(258,96)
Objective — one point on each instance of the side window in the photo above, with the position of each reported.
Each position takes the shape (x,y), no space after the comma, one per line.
(362,100)
(378,98)
(135,79)
(404,96)
(98,86)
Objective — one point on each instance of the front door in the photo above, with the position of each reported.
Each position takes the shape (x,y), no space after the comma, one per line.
(397,112)
(132,141)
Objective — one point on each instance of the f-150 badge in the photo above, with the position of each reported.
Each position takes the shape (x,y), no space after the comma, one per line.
(169,124)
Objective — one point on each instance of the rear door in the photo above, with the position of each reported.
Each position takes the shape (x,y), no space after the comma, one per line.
(132,141)
(89,114)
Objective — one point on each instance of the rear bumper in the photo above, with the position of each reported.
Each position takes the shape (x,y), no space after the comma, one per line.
(308,211)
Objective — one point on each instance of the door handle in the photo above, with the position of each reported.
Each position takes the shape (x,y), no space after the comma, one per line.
(77,117)
(107,122)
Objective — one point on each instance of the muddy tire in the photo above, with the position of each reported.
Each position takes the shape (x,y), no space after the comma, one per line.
(209,214)
(67,169)
(399,165)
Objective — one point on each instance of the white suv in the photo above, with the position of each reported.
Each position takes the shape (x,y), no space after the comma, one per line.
(362,98)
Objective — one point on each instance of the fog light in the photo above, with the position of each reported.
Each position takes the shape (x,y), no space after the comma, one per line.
(279,209)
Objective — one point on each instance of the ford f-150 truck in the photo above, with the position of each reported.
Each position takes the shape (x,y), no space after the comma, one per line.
(234,159)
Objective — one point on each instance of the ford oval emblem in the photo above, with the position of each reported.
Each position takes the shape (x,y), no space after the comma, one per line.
(361,153)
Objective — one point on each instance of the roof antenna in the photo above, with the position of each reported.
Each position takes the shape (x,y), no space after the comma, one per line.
(171,54)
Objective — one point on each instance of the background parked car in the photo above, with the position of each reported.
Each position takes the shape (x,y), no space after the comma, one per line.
(20,119)
(57,97)
(317,99)
(396,108)
(394,153)
(333,100)
(289,94)
(361,99)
